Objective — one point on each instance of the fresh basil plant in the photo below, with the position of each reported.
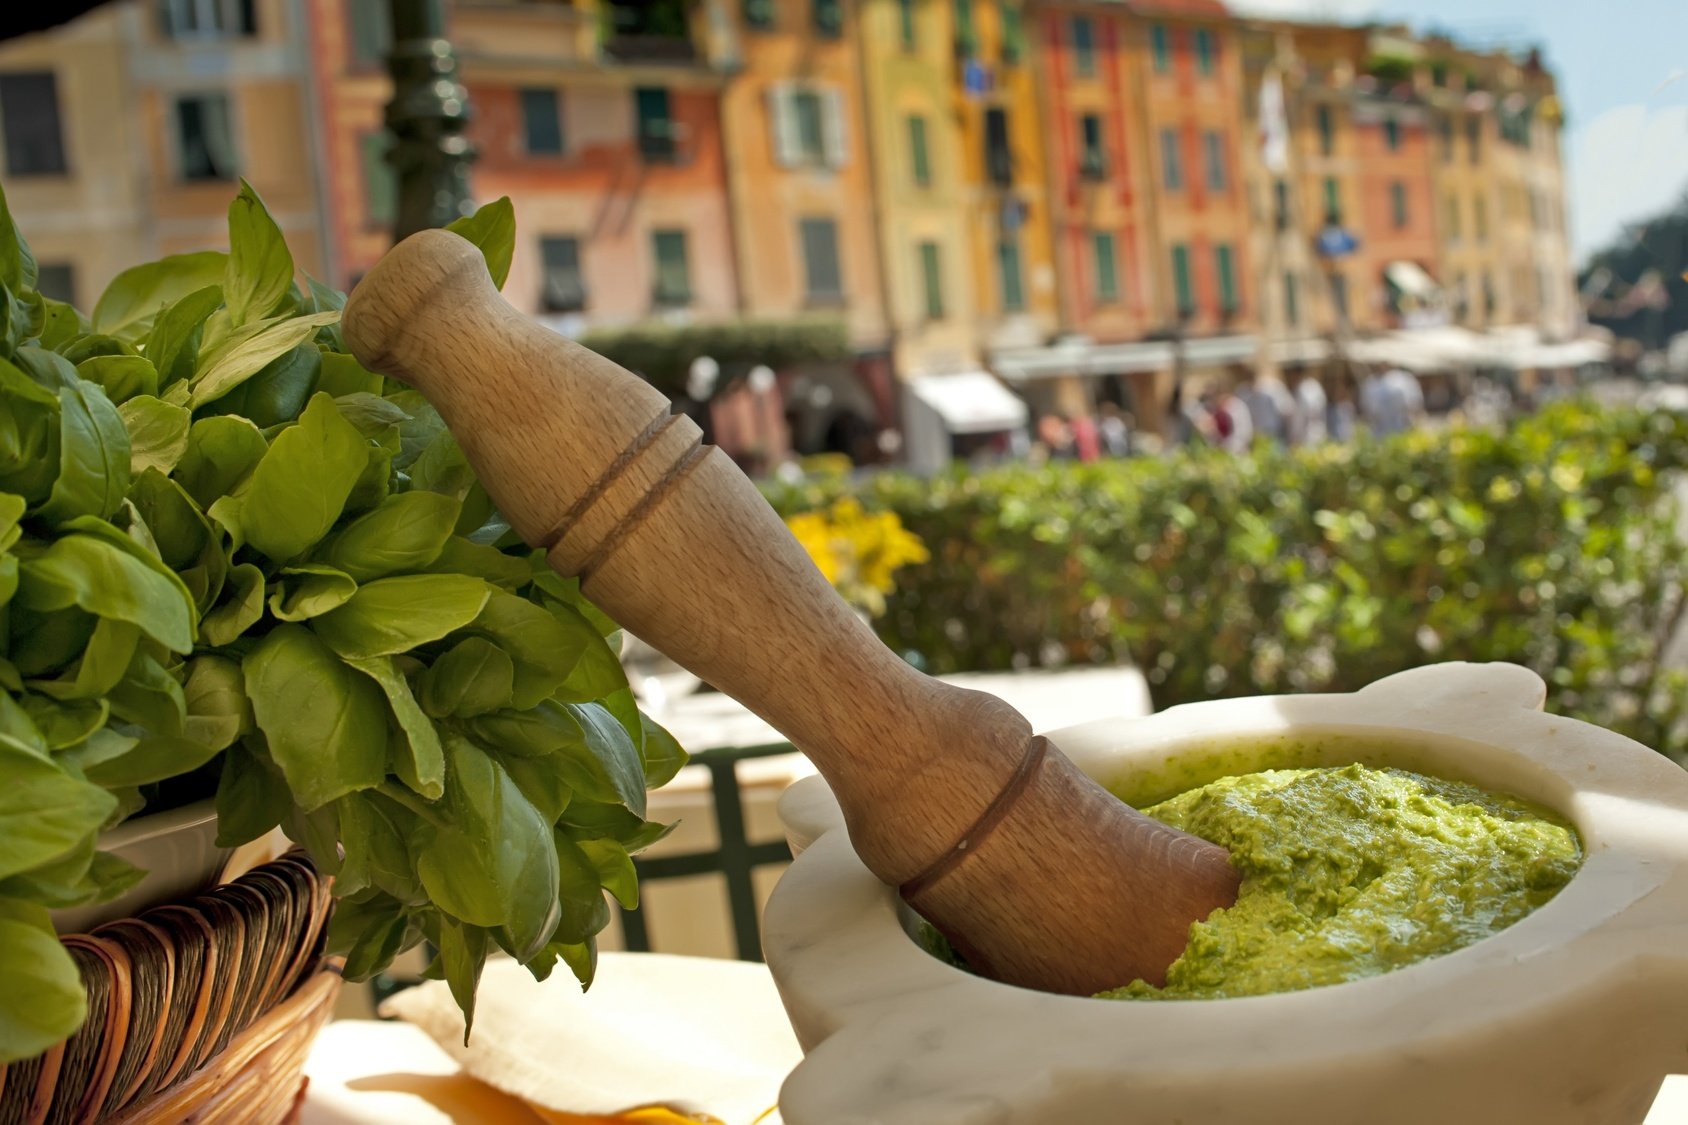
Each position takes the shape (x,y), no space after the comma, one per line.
(233,561)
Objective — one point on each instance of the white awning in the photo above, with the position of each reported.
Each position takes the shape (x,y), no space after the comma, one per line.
(970,402)
(1411,279)
(1023,365)
(1311,349)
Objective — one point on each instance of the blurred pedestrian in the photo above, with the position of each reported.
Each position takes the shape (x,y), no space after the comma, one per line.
(1270,406)
(1114,426)
(1233,421)
(1087,443)
(1310,405)
(1055,437)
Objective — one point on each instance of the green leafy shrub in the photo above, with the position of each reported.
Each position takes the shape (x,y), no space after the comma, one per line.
(234,562)
(1553,545)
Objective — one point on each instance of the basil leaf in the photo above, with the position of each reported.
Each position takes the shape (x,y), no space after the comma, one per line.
(663,756)
(158,433)
(173,344)
(604,765)
(249,350)
(318,832)
(406,532)
(583,910)
(393,615)
(240,610)
(300,487)
(215,694)
(181,531)
(462,955)
(135,297)
(221,453)
(471,678)
(29,435)
(421,763)
(60,324)
(325,724)
(342,375)
(543,650)
(460,556)
(369,412)
(614,868)
(150,697)
(106,581)
(493,229)
(65,723)
(374,832)
(252,797)
(539,782)
(277,392)
(44,811)
(122,377)
(107,656)
(306,591)
(260,268)
(370,934)
(82,875)
(598,671)
(44,1002)
(93,456)
(152,759)
(17,265)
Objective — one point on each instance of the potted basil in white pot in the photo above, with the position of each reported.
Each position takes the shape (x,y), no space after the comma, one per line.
(237,568)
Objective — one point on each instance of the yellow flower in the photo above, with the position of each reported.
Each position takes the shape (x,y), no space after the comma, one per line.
(858,551)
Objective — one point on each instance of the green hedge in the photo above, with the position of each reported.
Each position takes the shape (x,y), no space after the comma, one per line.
(1553,545)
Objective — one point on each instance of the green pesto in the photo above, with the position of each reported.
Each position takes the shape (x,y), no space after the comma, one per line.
(1351,872)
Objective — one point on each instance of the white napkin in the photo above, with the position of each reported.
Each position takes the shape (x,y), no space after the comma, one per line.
(366,1072)
(692,1034)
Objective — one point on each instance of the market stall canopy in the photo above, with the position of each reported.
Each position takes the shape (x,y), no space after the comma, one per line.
(970,402)
(1410,278)
(1082,357)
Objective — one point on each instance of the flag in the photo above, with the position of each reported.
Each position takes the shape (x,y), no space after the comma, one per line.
(1274,130)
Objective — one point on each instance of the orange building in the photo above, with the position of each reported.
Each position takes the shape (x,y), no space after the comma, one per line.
(1398,262)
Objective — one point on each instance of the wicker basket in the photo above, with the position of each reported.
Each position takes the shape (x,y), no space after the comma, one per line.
(201,1010)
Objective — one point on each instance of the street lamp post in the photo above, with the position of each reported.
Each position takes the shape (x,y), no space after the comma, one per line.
(427,116)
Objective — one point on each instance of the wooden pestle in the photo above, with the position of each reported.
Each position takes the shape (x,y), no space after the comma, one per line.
(1034,872)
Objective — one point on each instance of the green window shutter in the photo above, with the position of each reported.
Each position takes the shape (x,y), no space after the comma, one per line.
(1392,134)
(562,287)
(1398,204)
(380,185)
(966,36)
(829,18)
(759,14)
(1292,307)
(1093,153)
(1214,145)
(1013,33)
(1172,163)
(673,276)
(905,14)
(821,274)
(1106,266)
(656,125)
(932,276)
(1205,51)
(1333,201)
(1008,265)
(918,160)
(1084,46)
(811,136)
(542,121)
(1162,45)
(1327,130)
(1226,269)
(1181,280)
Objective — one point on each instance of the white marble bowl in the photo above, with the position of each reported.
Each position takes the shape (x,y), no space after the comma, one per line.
(1574,1014)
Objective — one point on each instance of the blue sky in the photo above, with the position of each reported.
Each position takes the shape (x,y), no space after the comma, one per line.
(1623,74)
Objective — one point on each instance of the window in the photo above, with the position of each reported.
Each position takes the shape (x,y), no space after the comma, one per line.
(1392,135)
(932,275)
(208,19)
(1398,204)
(673,276)
(1008,267)
(1084,47)
(919,163)
(829,18)
(999,162)
(1447,130)
(1453,218)
(1333,201)
(759,14)
(966,38)
(1207,52)
(205,136)
(1106,265)
(1280,202)
(1181,280)
(1213,149)
(1172,166)
(1013,33)
(563,288)
(380,185)
(1225,267)
(372,31)
(1292,306)
(1439,75)
(822,279)
(655,125)
(29,114)
(811,138)
(905,13)
(1474,138)
(1093,154)
(1490,301)
(57,282)
(542,122)
(1480,225)
(1161,44)
(1327,130)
